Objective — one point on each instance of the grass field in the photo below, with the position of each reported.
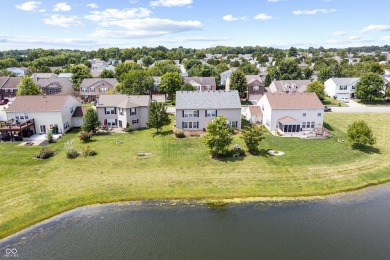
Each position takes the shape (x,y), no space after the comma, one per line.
(34,190)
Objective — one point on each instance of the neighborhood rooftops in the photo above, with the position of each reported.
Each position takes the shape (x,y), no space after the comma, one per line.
(60,82)
(207,99)
(287,85)
(123,101)
(9,82)
(38,103)
(204,81)
(252,78)
(345,81)
(91,81)
(283,100)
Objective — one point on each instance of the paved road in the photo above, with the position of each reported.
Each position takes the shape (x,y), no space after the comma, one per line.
(354,107)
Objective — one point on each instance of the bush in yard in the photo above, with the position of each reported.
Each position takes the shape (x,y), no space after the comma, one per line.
(179,134)
(360,133)
(85,136)
(128,128)
(70,150)
(252,136)
(45,153)
(91,121)
(50,138)
(218,136)
(88,151)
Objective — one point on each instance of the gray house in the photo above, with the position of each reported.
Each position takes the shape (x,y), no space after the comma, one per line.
(118,110)
(195,109)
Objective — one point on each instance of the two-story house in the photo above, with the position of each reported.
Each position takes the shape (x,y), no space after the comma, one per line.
(256,87)
(55,86)
(341,87)
(292,113)
(92,87)
(120,110)
(9,87)
(195,109)
(19,72)
(288,86)
(202,83)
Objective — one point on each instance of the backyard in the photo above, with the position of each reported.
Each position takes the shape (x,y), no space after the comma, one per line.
(138,166)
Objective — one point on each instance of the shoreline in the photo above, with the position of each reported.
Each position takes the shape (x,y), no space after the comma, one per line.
(237,200)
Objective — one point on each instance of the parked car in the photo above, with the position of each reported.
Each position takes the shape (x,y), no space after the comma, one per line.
(344,99)
(4,102)
(327,109)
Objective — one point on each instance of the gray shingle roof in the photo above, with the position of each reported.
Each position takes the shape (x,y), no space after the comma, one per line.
(91,81)
(61,82)
(207,99)
(204,81)
(283,85)
(123,101)
(345,81)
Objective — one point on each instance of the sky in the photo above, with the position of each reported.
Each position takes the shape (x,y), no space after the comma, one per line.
(93,24)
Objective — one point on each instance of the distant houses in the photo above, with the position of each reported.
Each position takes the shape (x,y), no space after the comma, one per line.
(286,86)
(202,83)
(9,87)
(341,87)
(92,87)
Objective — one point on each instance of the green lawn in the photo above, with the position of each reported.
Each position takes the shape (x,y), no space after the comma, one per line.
(33,190)
(375,102)
(331,102)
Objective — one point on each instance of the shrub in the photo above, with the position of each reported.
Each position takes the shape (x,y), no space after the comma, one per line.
(128,128)
(70,150)
(179,134)
(88,151)
(195,135)
(85,136)
(45,153)
(50,137)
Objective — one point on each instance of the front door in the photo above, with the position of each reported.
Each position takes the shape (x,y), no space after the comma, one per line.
(42,128)
(120,123)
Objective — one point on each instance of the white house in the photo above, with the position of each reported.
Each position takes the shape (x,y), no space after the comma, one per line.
(292,114)
(341,87)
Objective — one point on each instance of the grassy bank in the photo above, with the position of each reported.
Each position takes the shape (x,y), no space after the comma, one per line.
(33,190)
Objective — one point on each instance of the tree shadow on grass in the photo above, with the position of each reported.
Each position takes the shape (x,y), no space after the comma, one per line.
(327,126)
(262,153)
(366,149)
(163,133)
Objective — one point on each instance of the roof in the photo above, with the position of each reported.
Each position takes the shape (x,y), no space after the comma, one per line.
(204,81)
(207,99)
(386,78)
(287,119)
(283,100)
(286,85)
(79,111)
(37,76)
(91,81)
(252,78)
(60,82)
(345,81)
(38,103)
(123,101)
(65,75)
(255,110)
(9,82)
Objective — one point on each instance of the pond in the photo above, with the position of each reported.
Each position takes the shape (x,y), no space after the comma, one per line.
(350,226)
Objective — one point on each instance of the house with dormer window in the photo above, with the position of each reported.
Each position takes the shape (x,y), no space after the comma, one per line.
(92,87)
(202,83)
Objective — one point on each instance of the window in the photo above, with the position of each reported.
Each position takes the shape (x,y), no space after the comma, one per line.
(42,128)
(303,124)
(304,114)
(190,113)
(92,89)
(103,90)
(111,121)
(197,88)
(121,111)
(319,114)
(110,110)
(207,87)
(262,107)
(71,110)
(133,111)
(66,125)
(134,121)
(255,88)
(312,124)
(234,124)
(353,87)
(190,125)
(211,113)
(21,116)
(84,90)
(343,87)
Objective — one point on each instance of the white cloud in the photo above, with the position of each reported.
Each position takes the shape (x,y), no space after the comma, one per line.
(314,11)
(230,18)
(339,33)
(354,38)
(376,27)
(273,1)
(170,3)
(34,40)
(92,5)
(386,38)
(63,21)
(64,7)
(116,14)
(133,1)
(28,6)
(262,17)
(189,39)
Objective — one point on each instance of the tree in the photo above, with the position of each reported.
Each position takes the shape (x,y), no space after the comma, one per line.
(147,60)
(369,86)
(170,83)
(238,82)
(191,63)
(318,88)
(187,87)
(293,52)
(289,70)
(249,69)
(27,86)
(360,133)
(91,121)
(218,136)
(80,72)
(125,67)
(252,136)
(106,73)
(158,116)
(135,82)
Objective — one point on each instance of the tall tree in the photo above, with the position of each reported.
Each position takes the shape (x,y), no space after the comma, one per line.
(125,67)
(80,72)
(318,88)
(135,82)
(360,133)
(293,52)
(27,86)
(248,68)
(238,82)
(252,136)
(170,83)
(158,116)
(91,121)
(147,60)
(218,136)
(369,86)
(289,70)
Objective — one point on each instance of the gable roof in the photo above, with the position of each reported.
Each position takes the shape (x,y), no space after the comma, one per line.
(255,110)
(283,100)
(252,78)
(285,85)
(60,82)
(204,81)
(345,81)
(91,81)
(207,99)
(39,103)
(9,82)
(123,101)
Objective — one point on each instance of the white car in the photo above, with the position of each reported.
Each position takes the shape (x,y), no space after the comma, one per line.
(344,99)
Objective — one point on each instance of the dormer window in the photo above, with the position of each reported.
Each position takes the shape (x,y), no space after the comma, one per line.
(256,88)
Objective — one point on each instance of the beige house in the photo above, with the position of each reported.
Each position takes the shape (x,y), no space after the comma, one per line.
(195,109)
(55,86)
(92,87)
(287,86)
(120,110)
(40,114)
(202,83)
